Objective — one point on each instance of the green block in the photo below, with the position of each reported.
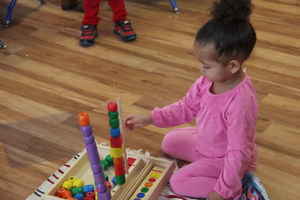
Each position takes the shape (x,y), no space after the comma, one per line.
(113,115)
(114,123)
(144,190)
(109,159)
(120,180)
(105,165)
(76,190)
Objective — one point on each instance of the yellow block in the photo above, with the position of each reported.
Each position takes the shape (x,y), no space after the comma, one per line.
(155,175)
(78,183)
(72,179)
(67,185)
(116,152)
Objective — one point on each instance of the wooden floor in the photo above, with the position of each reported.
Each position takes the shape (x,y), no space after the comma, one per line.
(46,79)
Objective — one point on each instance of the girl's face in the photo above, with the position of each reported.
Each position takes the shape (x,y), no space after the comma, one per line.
(211,68)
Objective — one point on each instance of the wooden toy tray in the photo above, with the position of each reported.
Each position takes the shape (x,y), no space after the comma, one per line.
(145,179)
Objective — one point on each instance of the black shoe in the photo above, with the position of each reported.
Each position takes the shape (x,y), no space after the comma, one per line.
(88,35)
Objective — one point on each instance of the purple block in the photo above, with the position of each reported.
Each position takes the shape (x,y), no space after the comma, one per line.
(93,155)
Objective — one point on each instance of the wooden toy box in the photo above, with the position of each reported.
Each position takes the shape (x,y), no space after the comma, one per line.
(145,180)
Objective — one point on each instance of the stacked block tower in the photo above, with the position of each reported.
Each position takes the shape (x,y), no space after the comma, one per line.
(103,193)
(116,150)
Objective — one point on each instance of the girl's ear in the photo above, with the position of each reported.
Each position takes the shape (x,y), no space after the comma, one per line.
(234,66)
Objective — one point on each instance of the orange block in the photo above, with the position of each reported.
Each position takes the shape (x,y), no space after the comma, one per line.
(63,193)
(148,184)
(84,119)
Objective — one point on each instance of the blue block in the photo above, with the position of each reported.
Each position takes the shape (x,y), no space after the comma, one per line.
(79,196)
(140,195)
(114,180)
(88,188)
(115,132)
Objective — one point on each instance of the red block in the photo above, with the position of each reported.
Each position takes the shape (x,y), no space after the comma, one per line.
(89,198)
(108,184)
(90,194)
(119,166)
(130,161)
(115,142)
(112,107)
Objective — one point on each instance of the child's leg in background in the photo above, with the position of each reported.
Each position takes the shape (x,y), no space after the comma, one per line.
(119,10)
(91,9)
(197,179)
(181,144)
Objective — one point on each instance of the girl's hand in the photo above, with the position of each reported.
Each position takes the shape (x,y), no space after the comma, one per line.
(214,196)
(137,121)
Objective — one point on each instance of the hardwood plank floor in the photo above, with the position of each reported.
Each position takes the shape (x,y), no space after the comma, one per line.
(46,79)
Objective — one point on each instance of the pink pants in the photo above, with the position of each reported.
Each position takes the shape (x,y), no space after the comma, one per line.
(198,178)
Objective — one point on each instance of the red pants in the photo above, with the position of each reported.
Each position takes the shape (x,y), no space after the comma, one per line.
(91,9)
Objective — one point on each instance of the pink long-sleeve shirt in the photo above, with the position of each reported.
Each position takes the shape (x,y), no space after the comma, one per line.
(226,126)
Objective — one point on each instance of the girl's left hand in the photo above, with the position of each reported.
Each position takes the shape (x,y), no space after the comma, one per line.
(214,196)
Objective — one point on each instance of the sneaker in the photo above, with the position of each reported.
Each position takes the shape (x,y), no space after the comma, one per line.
(2,45)
(253,188)
(88,35)
(125,31)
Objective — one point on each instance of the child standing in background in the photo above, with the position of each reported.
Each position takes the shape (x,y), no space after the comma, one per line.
(90,21)
(221,148)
